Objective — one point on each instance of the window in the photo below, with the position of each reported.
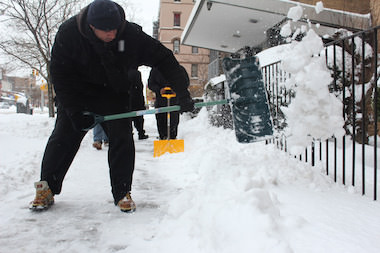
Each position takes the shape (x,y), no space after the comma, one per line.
(177,19)
(194,70)
(194,50)
(176,46)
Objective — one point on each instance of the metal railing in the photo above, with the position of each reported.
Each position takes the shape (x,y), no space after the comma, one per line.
(352,159)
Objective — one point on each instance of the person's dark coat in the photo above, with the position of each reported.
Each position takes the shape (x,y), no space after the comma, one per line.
(79,59)
(137,101)
(157,81)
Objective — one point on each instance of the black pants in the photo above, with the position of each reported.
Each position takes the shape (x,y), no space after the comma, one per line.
(162,125)
(64,143)
(138,122)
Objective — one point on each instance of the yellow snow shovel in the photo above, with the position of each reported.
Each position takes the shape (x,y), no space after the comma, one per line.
(171,146)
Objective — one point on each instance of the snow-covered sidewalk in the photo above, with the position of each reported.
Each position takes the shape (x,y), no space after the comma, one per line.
(217,196)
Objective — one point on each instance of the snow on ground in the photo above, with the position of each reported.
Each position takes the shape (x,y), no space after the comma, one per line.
(217,196)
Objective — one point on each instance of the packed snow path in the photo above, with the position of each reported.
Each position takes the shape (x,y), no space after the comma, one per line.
(217,196)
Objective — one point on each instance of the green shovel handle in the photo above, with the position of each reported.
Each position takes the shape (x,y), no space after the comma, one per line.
(99,118)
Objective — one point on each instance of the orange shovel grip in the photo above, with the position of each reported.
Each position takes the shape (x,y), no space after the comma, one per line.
(168,95)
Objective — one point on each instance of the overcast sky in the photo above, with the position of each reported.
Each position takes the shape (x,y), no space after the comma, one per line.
(146,11)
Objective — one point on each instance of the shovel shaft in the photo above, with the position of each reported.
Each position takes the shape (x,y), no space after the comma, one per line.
(99,119)
(168,119)
(219,102)
(172,108)
(142,112)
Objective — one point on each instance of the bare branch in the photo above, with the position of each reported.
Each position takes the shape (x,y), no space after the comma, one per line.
(28,31)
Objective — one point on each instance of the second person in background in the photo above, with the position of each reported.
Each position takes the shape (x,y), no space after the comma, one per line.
(137,101)
(157,83)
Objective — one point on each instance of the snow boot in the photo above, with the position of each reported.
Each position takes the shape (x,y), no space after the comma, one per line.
(44,197)
(126,204)
(97,145)
(143,136)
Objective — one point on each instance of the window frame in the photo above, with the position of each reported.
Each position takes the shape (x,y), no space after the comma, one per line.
(176,46)
(194,50)
(194,70)
(176,19)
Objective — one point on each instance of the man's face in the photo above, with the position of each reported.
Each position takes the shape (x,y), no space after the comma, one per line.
(106,36)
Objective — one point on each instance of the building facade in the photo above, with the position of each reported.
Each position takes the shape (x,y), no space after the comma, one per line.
(371,7)
(173,16)
(354,6)
(256,25)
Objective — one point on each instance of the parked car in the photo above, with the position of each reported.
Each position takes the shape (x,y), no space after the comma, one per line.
(4,105)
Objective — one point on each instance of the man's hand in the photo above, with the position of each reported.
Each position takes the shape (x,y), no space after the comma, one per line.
(81,121)
(186,104)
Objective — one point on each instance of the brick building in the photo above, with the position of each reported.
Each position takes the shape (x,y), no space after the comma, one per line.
(371,7)
(256,24)
(173,16)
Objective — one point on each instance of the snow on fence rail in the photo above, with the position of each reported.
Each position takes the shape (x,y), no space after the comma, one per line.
(352,159)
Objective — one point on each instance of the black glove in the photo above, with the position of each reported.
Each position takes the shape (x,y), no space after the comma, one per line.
(81,121)
(186,104)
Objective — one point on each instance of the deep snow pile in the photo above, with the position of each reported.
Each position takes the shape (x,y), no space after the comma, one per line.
(217,196)
(314,113)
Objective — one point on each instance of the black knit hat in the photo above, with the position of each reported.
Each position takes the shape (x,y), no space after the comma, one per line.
(104,15)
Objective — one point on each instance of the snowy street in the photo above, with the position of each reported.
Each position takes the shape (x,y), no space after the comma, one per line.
(217,196)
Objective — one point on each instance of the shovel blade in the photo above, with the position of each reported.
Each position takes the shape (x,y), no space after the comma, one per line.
(250,109)
(171,146)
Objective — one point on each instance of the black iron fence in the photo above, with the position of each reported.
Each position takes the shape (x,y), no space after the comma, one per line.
(352,159)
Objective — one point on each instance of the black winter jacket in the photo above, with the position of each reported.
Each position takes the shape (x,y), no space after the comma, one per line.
(84,68)
(137,101)
(157,81)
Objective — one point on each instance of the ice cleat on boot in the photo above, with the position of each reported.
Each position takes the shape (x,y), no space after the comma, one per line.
(126,204)
(44,197)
